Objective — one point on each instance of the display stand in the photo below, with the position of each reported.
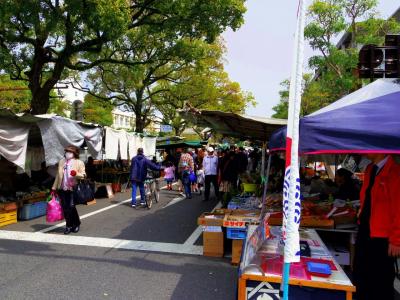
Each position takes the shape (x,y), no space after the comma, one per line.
(257,278)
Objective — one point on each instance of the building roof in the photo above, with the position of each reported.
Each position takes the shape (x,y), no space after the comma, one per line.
(346,38)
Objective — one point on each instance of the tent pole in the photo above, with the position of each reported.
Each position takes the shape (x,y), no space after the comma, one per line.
(264,198)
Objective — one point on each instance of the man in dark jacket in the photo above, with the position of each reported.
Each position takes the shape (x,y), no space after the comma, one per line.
(138,175)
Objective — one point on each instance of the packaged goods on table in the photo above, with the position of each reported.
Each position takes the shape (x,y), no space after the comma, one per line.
(244,203)
(262,264)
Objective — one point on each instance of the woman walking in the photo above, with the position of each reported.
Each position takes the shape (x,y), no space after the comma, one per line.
(70,169)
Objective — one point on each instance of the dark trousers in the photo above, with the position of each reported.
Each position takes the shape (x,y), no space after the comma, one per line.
(187,185)
(208,180)
(70,213)
(373,269)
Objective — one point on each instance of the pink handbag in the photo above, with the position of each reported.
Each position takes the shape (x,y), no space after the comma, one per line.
(54,211)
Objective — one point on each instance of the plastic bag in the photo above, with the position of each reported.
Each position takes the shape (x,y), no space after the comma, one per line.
(54,211)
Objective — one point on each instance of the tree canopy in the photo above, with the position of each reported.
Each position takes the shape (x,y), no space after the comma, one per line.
(204,85)
(97,111)
(16,96)
(334,68)
(42,40)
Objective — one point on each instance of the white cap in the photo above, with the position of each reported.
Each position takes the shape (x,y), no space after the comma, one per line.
(210,149)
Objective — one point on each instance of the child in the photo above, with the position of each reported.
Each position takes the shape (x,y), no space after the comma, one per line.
(200,178)
(169,175)
(186,180)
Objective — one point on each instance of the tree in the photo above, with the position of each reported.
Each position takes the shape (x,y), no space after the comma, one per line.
(282,108)
(313,97)
(97,111)
(58,106)
(41,40)
(132,86)
(204,85)
(335,68)
(16,96)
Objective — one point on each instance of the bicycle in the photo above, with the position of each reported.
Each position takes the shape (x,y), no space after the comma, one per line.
(152,191)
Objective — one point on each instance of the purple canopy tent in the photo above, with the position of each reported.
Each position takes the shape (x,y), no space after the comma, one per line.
(366,121)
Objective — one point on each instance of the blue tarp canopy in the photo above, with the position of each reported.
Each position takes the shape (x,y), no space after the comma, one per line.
(366,121)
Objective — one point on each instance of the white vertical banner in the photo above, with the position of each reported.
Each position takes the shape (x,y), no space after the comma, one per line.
(291,189)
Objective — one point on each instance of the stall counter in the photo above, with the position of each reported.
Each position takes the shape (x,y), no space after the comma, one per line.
(256,278)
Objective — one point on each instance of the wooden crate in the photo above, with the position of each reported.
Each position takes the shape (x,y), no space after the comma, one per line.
(7,218)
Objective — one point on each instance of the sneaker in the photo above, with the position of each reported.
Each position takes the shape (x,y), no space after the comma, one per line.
(75,229)
(67,230)
(133,205)
(143,204)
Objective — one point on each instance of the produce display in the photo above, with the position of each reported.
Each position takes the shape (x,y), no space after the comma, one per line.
(315,213)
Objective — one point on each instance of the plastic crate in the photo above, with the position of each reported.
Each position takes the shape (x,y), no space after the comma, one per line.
(236,233)
(7,218)
(31,211)
(249,187)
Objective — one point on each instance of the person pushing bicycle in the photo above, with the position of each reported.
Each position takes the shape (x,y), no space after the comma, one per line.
(138,175)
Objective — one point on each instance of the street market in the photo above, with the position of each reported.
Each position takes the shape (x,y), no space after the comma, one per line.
(133,165)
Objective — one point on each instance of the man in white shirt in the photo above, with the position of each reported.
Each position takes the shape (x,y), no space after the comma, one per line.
(210,164)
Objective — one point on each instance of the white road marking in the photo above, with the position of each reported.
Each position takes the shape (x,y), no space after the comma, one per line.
(175,200)
(92,213)
(87,215)
(196,234)
(43,237)
(50,238)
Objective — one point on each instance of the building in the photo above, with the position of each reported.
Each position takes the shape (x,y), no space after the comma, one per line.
(122,119)
(345,41)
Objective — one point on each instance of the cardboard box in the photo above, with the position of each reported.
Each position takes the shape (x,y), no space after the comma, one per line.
(237,246)
(240,218)
(211,219)
(213,244)
(340,254)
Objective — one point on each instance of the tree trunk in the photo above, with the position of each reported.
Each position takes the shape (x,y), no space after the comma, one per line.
(139,127)
(40,101)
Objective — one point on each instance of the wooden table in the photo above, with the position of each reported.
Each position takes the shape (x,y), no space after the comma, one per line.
(253,282)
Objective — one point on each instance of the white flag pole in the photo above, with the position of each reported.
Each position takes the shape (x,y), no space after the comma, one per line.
(291,190)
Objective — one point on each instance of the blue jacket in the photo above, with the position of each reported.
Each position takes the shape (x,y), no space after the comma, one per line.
(139,167)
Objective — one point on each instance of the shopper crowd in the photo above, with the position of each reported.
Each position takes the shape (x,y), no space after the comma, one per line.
(196,170)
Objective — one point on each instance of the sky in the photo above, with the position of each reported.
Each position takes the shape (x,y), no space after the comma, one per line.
(259,54)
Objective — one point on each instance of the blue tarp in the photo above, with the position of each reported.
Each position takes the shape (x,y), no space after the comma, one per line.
(367,120)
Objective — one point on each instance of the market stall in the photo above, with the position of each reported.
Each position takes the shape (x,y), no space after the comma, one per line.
(363,122)
(316,276)
(30,148)
(229,225)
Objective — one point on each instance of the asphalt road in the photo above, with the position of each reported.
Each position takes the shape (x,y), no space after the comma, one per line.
(47,270)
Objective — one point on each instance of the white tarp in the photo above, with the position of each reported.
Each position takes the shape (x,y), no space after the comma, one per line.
(112,142)
(116,143)
(14,141)
(149,145)
(58,133)
(378,88)
(132,149)
(128,144)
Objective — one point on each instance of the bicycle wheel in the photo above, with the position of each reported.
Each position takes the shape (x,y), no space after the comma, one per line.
(156,191)
(149,196)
